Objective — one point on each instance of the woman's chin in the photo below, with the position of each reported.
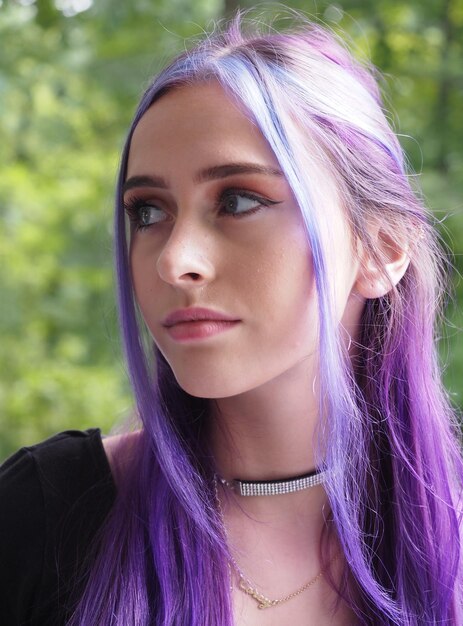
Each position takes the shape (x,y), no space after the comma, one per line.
(212,387)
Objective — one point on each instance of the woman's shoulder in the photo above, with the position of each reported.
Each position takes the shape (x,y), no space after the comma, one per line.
(54,498)
(61,466)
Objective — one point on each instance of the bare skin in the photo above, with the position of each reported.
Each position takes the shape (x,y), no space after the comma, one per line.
(261,374)
(275,544)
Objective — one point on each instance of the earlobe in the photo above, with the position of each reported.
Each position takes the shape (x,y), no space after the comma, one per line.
(377,276)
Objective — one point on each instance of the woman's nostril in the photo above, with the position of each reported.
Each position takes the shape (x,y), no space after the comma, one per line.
(190,276)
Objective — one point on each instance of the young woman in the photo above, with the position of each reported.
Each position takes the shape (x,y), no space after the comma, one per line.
(297,461)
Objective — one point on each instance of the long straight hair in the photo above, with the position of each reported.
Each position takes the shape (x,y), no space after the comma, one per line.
(388,436)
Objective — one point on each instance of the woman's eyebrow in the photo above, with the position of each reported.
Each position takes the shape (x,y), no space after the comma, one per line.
(230,169)
(144,181)
(209,173)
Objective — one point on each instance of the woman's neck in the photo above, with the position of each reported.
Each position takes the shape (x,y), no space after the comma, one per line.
(269,432)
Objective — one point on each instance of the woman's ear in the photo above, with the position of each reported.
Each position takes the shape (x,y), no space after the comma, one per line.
(377,276)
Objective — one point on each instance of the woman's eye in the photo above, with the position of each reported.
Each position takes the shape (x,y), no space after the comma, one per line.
(239,203)
(143,215)
(150,215)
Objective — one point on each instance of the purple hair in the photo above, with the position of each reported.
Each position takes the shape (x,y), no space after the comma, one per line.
(389,440)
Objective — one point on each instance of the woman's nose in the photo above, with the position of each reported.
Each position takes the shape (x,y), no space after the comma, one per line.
(185,258)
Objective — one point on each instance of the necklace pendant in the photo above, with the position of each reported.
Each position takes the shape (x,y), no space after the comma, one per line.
(262,601)
(265,604)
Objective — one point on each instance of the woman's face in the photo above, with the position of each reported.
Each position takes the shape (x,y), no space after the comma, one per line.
(220,261)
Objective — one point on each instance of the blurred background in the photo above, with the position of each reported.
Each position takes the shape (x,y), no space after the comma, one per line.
(71,72)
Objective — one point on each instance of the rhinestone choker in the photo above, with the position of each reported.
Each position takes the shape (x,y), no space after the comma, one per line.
(274,487)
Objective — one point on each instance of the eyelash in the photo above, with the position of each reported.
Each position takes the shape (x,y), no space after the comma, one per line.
(133,206)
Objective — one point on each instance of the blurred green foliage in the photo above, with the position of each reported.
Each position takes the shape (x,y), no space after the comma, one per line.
(71,72)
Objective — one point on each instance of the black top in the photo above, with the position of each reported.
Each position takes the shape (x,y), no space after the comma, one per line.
(54,497)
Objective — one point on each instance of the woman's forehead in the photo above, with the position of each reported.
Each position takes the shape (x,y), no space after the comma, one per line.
(197,122)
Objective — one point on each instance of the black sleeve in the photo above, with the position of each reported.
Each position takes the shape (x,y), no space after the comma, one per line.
(54,497)
(22,537)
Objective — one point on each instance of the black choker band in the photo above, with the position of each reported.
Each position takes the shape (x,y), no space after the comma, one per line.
(274,487)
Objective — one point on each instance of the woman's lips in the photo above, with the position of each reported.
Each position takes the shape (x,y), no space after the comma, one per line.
(199,329)
(197,323)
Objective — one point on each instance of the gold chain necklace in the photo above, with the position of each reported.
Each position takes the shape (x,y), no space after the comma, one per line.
(245,585)
(265,603)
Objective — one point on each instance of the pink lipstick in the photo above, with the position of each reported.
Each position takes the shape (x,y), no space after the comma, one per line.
(197,323)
